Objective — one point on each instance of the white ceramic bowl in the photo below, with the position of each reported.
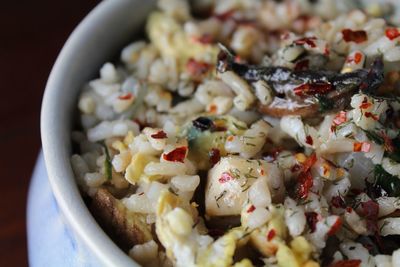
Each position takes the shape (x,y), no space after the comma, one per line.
(97,39)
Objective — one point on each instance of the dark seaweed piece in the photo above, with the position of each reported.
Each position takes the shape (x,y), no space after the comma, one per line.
(388,182)
(280,79)
(203,123)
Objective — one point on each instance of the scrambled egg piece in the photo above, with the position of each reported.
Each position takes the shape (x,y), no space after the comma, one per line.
(184,245)
(170,39)
(297,255)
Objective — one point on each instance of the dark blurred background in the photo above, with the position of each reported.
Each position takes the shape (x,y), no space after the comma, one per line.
(32,34)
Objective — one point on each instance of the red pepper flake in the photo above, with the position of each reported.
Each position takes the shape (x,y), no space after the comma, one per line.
(225,177)
(204,39)
(310,89)
(327,50)
(338,202)
(346,263)
(271,234)
(251,209)
(215,156)
(176,155)
(371,115)
(302,65)
(126,96)
(213,108)
(141,194)
(230,138)
(197,68)
(354,36)
(335,227)
(159,135)
(340,118)
(361,146)
(307,40)
(370,209)
(305,182)
(312,219)
(262,172)
(238,59)
(356,59)
(349,209)
(365,104)
(309,162)
(392,33)
(309,140)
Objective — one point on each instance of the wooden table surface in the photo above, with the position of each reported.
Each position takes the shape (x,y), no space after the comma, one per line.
(32,33)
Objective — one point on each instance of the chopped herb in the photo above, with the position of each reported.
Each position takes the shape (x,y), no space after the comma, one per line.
(383,225)
(172,191)
(107,163)
(239,127)
(235,173)
(246,188)
(219,197)
(250,144)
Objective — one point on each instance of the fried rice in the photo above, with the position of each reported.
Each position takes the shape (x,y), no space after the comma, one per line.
(249,133)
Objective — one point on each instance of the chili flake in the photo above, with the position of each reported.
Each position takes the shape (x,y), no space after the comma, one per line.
(215,156)
(361,146)
(309,140)
(371,115)
(311,89)
(213,108)
(365,104)
(251,209)
(271,234)
(176,155)
(354,36)
(126,96)
(305,182)
(335,227)
(302,65)
(307,40)
(338,202)
(197,68)
(312,219)
(310,161)
(392,33)
(159,135)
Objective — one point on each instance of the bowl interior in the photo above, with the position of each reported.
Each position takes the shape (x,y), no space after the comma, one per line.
(97,39)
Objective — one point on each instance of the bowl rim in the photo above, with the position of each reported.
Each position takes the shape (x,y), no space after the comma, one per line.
(56,142)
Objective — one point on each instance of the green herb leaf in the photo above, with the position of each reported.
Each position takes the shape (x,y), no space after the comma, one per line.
(390,183)
(107,163)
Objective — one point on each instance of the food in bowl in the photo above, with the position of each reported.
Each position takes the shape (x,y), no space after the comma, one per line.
(254,133)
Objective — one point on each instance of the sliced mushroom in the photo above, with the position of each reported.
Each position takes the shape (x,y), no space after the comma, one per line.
(124,227)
